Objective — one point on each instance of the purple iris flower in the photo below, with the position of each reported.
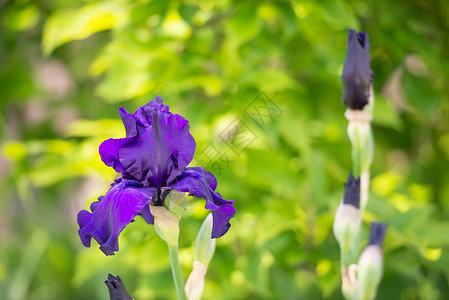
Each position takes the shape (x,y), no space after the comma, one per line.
(357,75)
(153,159)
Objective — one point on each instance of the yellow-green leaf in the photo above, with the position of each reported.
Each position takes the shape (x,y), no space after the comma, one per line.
(67,25)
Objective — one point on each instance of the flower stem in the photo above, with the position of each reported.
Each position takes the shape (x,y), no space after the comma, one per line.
(344,256)
(356,162)
(177,272)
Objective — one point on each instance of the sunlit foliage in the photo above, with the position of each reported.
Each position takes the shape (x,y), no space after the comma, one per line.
(67,66)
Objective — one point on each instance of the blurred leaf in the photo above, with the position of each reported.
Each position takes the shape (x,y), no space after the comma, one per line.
(385,115)
(33,252)
(338,15)
(14,150)
(418,89)
(385,183)
(95,128)
(278,80)
(244,24)
(23,19)
(209,60)
(67,25)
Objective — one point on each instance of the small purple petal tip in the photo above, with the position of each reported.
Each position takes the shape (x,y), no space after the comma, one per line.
(352,191)
(378,231)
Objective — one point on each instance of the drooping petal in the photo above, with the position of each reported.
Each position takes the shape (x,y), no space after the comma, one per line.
(158,142)
(357,74)
(112,213)
(199,183)
(221,217)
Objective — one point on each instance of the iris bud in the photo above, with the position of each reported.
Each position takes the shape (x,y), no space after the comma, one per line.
(116,287)
(204,251)
(166,224)
(359,132)
(347,225)
(348,217)
(205,245)
(195,282)
(370,265)
(357,75)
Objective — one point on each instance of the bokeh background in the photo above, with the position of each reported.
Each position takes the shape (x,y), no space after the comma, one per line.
(67,66)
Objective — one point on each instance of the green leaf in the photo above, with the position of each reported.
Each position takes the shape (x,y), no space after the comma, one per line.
(421,95)
(244,24)
(338,15)
(22,19)
(384,114)
(67,25)
(94,128)
(278,80)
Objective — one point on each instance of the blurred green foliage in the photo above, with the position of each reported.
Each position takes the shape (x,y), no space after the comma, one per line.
(67,66)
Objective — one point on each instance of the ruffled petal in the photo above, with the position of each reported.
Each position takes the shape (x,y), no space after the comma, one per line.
(165,145)
(129,122)
(199,183)
(158,143)
(112,213)
(109,152)
(109,149)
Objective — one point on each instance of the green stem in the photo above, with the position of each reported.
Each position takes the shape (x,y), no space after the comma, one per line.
(344,257)
(177,272)
(356,162)
(347,256)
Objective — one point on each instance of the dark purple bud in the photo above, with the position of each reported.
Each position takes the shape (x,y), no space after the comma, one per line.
(357,74)
(117,290)
(352,191)
(377,233)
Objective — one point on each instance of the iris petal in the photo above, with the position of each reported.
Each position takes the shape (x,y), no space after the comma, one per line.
(109,152)
(129,122)
(157,143)
(112,213)
(199,183)
(153,159)
(145,213)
